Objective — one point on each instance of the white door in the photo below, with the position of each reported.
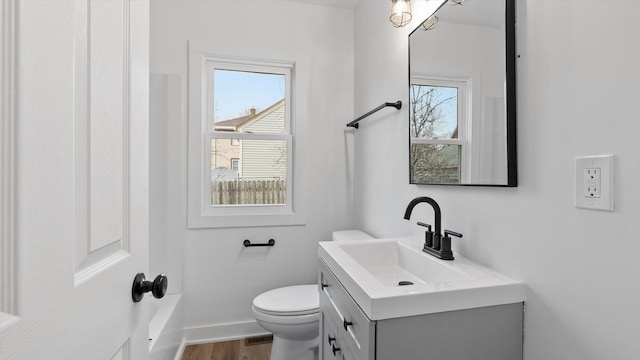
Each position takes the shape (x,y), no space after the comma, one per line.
(74,178)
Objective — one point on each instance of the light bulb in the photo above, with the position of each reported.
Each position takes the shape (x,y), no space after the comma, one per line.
(399,7)
(400,12)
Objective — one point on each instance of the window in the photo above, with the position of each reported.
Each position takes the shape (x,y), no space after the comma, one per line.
(235,164)
(438,126)
(246,121)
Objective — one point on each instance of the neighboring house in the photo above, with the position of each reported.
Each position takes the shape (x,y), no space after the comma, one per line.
(251,159)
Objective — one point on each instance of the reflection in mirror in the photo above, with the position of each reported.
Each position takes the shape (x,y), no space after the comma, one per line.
(462,95)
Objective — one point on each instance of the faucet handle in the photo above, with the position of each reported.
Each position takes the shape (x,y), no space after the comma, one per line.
(428,226)
(453,233)
(428,236)
(445,251)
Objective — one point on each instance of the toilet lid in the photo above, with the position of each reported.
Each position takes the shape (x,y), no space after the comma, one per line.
(290,300)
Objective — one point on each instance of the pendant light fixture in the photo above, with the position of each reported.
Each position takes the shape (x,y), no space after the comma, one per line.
(400,12)
(430,23)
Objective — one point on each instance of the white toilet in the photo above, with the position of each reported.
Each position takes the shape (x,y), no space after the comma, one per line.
(292,314)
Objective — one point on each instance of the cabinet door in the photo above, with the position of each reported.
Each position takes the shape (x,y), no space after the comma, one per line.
(354,328)
(335,343)
(328,339)
(346,354)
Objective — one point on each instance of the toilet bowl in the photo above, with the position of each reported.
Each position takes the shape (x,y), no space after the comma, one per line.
(292,314)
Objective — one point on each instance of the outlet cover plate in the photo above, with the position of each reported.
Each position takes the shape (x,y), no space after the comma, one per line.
(587,199)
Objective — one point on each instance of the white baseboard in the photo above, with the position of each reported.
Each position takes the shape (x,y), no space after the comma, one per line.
(181,347)
(222,332)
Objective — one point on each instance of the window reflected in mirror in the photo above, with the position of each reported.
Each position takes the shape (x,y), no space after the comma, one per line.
(438,130)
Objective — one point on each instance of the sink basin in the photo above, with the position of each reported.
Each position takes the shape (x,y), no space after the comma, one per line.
(392,262)
(391,278)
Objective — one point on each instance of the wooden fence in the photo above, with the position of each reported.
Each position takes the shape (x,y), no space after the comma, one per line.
(248,192)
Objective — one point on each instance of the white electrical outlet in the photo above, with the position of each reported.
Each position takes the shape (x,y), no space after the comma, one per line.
(594,182)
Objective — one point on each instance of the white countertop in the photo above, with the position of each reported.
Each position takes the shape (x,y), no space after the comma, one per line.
(442,286)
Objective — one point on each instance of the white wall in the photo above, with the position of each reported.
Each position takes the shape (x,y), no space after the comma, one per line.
(578,85)
(166,214)
(221,277)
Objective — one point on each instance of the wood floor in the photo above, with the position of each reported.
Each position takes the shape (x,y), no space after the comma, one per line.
(228,350)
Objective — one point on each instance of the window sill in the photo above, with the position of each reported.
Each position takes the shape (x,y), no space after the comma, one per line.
(248,220)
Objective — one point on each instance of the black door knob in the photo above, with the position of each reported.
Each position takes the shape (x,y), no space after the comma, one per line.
(141,285)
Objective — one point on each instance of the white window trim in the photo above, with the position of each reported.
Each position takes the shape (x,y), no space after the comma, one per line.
(464,86)
(236,166)
(200,212)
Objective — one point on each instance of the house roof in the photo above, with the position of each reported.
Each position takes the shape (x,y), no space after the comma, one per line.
(239,123)
(234,123)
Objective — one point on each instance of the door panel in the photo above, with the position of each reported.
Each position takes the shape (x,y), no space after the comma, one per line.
(8,307)
(80,223)
(108,65)
(101,132)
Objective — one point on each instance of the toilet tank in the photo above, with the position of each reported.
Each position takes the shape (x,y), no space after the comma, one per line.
(343,235)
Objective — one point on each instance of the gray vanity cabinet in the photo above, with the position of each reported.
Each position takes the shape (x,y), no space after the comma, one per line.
(487,333)
(343,320)
(334,341)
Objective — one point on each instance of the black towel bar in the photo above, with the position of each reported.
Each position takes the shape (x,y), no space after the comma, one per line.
(247,243)
(397,105)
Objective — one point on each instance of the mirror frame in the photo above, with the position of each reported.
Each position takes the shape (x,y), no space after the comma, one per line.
(510,77)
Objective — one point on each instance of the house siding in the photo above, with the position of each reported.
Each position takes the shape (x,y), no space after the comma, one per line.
(222,152)
(259,159)
(271,123)
(264,159)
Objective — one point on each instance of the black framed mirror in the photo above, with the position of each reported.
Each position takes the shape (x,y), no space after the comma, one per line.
(462,95)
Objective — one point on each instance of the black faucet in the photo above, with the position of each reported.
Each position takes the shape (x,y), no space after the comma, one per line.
(434,244)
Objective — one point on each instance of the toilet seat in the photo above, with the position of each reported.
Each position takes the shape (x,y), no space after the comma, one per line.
(285,320)
(289,301)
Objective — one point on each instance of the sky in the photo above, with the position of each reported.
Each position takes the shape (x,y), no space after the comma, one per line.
(236,91)
(448,121)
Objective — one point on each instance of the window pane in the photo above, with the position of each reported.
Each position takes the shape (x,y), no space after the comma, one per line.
(248,102)
(436,164)
(254,172)
(434,112)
